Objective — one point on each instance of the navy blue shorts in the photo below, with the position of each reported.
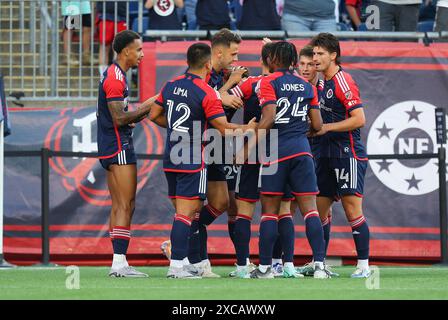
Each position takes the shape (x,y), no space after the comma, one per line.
(340,176)
(223,172)
(248,183)
(126,156)
(187,185)
(299,173)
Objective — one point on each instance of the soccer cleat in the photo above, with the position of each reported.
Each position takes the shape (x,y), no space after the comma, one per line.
(192,269)
(330,272)
(307,270)
(290,272)
(257,274)
(205,270)
(181,273)
(361,273)
(126,272)
(277,270)
(166,249)
(243,273)
(250,267)
(320,273)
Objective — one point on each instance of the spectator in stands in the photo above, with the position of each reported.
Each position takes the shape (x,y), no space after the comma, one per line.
(398,15)
(111,21)
(441,23)
(427,11)
(309,15)
(190,13)
(259,15)
(212,14)
(163,14)
(76,14)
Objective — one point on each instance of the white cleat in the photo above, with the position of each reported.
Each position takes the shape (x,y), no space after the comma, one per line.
(277,270)
(257,274)
(181,273)
(250,267)
(126,272)
(361,273)
(205,270)
(320,273)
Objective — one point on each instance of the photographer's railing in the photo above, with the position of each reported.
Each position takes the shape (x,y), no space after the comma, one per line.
(46,154)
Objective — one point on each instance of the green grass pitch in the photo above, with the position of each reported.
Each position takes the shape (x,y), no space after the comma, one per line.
(50,283)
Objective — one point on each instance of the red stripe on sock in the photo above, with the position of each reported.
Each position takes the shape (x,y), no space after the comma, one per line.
(309,214)
(185,219)
(243,216)
(269,216)
(214,212)
(288,215)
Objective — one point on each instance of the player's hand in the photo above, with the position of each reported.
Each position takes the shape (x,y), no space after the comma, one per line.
(322,131)
(232,101)
(237,74)
(266,40)
(132,125)
(253,124)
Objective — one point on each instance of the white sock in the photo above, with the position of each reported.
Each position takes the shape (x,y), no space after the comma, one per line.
(186,261)
(363,264)
(275,261)
(176,263)
(247,261)
(119,261)
(318,264)
(263,268)
(289,265)
(206,261)
(239,268)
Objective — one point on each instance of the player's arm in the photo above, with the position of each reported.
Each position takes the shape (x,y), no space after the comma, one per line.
(229,100)
(157,114)
(356,120)
(221,124)
(314,113)
(353,13)
(122,118)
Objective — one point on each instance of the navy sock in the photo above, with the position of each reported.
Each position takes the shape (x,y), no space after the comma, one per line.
(207,215)
(361,235)
(242,238)
(326,226)
(286,234)
(277,251)
(194,248)
(179,237)
(315,235)
(268,236)
(231,227)
(121,238)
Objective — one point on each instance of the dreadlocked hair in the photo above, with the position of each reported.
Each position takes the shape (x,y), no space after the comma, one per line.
(284,54)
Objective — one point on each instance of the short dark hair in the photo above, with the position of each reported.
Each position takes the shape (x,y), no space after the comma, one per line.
(307,51)
(266,52)
(225,37)
(198,54)
(329,42)
(123,39)
(284,54)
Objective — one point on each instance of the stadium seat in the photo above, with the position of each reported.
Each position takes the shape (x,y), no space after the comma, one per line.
(425,26)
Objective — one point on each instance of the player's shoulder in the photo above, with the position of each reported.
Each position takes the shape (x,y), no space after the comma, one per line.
(344,80)
(205,88)
(320,84)
(115,73)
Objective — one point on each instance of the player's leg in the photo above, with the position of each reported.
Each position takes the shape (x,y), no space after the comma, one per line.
(303,183)
(284,266)
(324,207)
(247,194)
(189,191)
(351,186)
(123,184)
(273,181)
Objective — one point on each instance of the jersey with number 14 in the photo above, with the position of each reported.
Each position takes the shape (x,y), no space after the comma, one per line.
(294,97)
(189,104)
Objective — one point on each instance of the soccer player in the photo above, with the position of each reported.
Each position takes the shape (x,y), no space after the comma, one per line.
(188,102)
(247,186)
(221,176)
(115,146)
(342,164)
(287,100)
(307,70)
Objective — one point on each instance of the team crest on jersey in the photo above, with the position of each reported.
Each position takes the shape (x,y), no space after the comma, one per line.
(407,127)
(349,94)
(164,7)
(76,131)
(329,93)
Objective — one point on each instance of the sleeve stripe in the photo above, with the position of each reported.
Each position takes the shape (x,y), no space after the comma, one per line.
(342,82)
(114,99)
(159,103)
(221,114)
(240,91)
(268,102)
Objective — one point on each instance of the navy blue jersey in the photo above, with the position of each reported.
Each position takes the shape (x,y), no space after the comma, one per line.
(189,103)
(294,97)
(247,91)
(315,141)
(112,87)
(216,81)
(340,96)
